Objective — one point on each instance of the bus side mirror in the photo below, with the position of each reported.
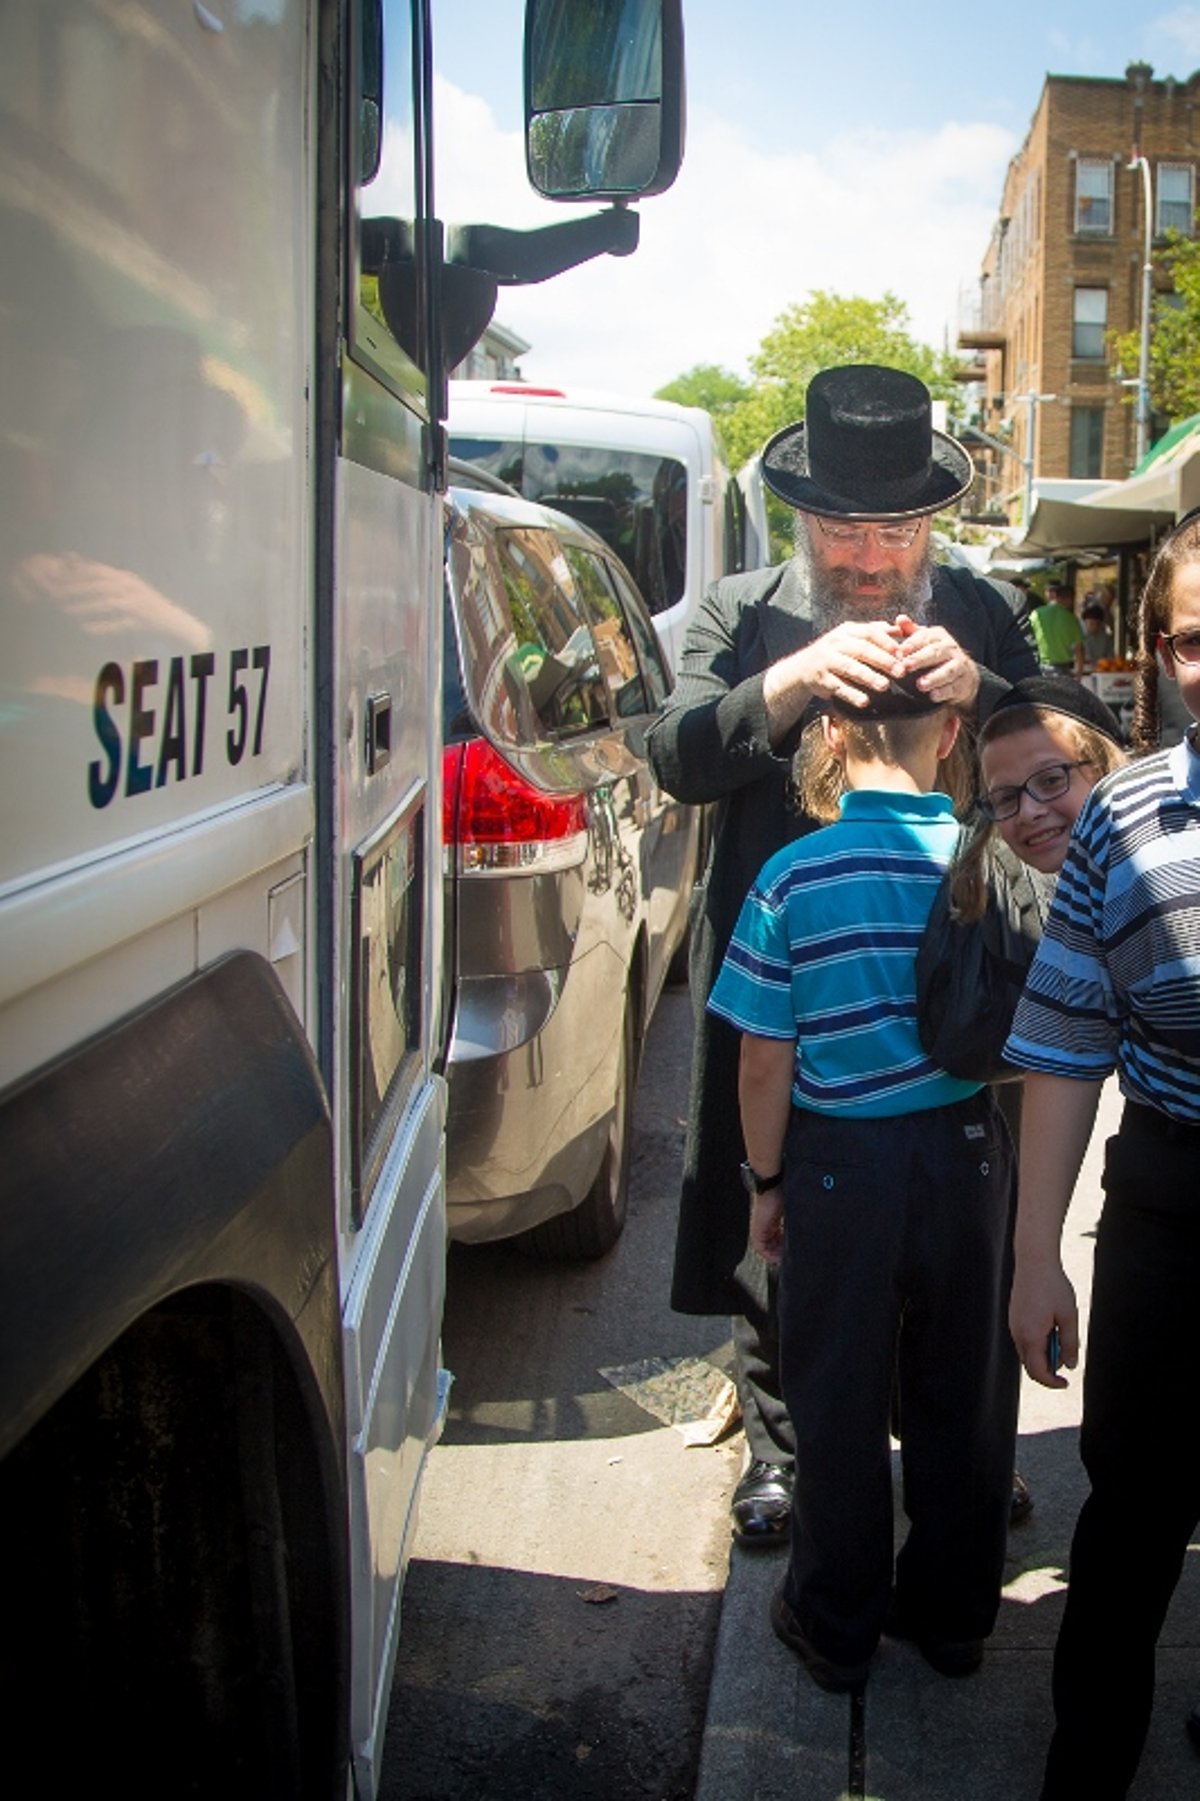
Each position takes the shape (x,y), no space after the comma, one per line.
(604,97)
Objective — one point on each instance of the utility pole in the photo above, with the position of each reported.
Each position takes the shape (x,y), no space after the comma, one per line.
(1143,381)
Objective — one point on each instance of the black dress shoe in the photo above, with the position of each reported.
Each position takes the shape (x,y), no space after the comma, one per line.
(948,1656)
(838,1678)
(1021,1505)
(762,1506)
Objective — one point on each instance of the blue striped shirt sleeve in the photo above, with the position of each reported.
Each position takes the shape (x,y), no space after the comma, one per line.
(753,990)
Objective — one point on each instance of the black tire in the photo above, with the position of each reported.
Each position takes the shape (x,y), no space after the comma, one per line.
(593,1228)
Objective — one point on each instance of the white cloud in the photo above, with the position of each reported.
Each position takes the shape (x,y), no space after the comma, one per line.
(743,234)
(1180,28)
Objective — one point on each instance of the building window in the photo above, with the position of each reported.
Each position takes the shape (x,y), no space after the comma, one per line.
(1087,442)
(1090,323)
(1175,206)
(1093,195)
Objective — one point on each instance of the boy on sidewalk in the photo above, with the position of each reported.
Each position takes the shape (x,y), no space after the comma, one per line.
(883,1188)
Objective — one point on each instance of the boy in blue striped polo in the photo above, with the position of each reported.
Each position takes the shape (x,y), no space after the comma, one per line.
(883,1188)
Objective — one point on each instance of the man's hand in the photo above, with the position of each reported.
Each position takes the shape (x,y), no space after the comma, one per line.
(942,668)
(766,1225)
(848,663)
(1042,1298)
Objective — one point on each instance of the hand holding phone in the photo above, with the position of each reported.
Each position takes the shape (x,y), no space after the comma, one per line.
(1054,1350)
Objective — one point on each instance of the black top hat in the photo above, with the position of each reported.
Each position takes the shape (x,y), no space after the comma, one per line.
(866,449)
(1062,694)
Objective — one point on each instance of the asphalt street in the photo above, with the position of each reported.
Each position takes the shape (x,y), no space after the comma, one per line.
(561,1609)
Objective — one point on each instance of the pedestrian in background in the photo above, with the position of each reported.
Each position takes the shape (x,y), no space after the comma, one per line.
(1116,985)
(865,472)
(1056,630)
(1097,641)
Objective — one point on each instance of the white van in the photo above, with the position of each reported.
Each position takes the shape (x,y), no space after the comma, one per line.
(646,474)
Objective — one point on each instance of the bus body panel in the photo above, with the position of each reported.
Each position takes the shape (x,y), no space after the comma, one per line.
(155,458)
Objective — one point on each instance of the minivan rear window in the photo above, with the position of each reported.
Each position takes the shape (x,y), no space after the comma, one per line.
(637,503)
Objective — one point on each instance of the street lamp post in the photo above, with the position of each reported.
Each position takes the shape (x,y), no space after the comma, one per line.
(1143,381)
(1027,461)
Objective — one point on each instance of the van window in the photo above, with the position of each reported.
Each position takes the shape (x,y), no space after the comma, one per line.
(733,537)
(553,656)
(636,502)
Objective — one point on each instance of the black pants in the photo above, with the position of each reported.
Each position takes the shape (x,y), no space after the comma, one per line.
(897,1267)
(769,1435)
(1140,1444)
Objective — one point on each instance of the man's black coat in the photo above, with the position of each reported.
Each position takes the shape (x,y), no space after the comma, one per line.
(711,745)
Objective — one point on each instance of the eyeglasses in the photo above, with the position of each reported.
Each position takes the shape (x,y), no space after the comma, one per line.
(888,537)
(1183,646)
(1043,784)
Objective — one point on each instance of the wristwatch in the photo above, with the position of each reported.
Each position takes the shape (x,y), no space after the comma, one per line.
(753,1183)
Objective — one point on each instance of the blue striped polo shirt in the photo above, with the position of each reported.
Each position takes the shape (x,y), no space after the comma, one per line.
(824,952)
(1116,981)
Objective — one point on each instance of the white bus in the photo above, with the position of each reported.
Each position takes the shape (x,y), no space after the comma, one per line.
(226,308)
(648,475)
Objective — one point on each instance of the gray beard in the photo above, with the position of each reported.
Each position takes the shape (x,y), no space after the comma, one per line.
(832,592)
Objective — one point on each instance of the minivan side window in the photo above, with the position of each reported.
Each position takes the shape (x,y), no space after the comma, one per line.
(650,653)
(610,629)
(553,655)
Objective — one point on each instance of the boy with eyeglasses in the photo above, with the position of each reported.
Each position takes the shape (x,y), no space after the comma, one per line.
(1116,986)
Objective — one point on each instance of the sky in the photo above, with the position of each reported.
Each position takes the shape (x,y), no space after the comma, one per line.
(858,148)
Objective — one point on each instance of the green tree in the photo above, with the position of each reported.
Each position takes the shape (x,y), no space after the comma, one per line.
(706,385)
(819,333)
(1174,369)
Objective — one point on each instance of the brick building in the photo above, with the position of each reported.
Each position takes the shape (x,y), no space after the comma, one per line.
(1064,269)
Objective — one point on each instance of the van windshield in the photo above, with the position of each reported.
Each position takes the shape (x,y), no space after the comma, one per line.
(637,503)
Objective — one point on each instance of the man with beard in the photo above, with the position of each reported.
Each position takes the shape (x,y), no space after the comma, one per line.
(860,602)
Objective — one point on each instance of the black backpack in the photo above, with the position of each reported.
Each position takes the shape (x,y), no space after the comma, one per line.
(970,973)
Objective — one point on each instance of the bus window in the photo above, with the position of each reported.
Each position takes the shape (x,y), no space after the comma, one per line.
(385,333)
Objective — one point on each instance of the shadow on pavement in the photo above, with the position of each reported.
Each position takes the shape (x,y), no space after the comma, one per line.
(572,1699)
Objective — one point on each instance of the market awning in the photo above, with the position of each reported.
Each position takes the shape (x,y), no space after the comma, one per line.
(1167,480)
(1065,527)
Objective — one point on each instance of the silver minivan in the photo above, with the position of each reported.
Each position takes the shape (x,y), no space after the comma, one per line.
(568,873)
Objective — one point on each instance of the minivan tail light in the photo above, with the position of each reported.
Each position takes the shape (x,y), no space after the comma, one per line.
(494,822)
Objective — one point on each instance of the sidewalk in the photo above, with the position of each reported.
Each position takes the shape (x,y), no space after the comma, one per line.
(771,1733)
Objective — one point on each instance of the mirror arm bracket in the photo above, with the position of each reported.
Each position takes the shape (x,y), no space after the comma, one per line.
(518,258)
